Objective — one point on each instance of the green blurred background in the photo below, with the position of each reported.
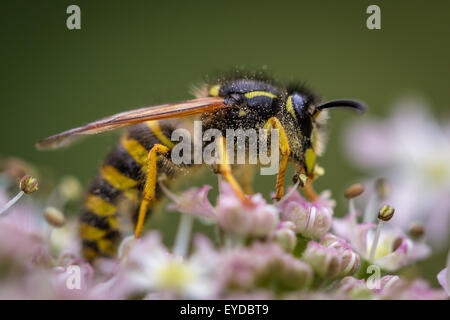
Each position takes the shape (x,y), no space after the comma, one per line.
(136,53)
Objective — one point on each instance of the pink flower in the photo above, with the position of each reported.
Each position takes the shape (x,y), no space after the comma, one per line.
(22,234)
(326,262)
(263,265)
(350,261)
(194,201)
(393,287)
(312,219)
(257,218)
(285,235)
(353,288)
(390,288)
(394,249)
(254,219)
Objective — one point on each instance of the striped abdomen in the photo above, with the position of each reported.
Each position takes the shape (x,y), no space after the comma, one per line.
(112,200)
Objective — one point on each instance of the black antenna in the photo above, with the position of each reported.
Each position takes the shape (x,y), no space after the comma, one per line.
(342,104)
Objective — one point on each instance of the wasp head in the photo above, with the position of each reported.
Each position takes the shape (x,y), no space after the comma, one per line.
(305,120)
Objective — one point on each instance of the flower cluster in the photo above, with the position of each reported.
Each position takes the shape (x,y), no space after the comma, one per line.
(293,249)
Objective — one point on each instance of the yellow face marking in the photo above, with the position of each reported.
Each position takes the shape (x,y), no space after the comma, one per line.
(310,160)
(154,126)
(290,107)
(136,150)
(116,179)
(91,233)
(253,94)
(99,206)
(214,91)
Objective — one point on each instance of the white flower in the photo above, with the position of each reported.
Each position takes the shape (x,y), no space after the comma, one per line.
(150,267)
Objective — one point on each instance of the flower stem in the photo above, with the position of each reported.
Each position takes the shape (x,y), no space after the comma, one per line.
(183,235)
(300,247)
(352,210)
(12,202)
(375,241)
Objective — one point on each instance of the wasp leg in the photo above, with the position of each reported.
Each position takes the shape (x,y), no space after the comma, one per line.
(274,123)
(307,185)
(225,170)
(309,191)
(148,194)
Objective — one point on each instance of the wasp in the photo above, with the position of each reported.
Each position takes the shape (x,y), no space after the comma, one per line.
(130,173)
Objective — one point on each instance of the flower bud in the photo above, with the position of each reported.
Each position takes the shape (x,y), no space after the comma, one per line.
(285,235)
(389,281)
(54,217)
(326,262)
(386,213)
(353,288)
(311,219)
(350,261)
(311,222)
(28,184)
(264,265)
(354,190)
(258,219)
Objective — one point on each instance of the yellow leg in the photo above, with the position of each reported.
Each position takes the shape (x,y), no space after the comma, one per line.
(150,183)
(225,170)
(274,123)
(307,187)
(309,191)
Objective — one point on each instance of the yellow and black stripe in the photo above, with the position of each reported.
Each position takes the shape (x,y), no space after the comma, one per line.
(120,179)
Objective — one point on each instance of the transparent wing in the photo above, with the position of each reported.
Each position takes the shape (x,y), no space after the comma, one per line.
(165,111)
